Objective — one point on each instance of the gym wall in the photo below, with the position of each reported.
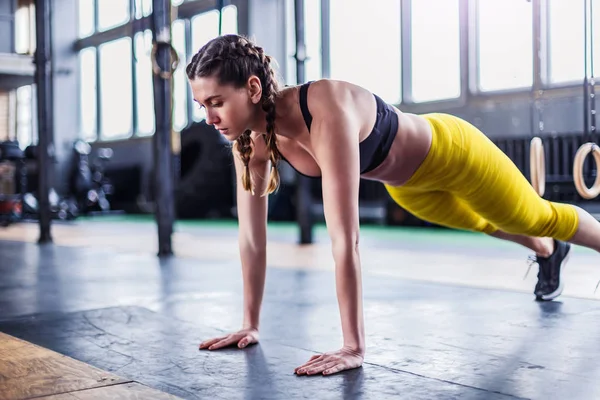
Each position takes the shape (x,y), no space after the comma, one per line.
(499,115)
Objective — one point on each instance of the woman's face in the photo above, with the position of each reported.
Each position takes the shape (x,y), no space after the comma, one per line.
(230,110)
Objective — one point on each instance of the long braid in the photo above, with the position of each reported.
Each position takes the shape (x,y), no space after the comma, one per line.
(233,59)
(268,105)
(245,146)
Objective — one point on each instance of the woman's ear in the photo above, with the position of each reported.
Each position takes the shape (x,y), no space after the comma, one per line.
(254,89)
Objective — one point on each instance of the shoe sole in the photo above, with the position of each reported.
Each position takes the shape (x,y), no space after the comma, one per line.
(560,287)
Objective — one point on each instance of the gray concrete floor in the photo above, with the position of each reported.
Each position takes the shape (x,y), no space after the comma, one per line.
(143,318)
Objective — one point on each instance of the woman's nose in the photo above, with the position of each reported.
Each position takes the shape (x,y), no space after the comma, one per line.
(211,118)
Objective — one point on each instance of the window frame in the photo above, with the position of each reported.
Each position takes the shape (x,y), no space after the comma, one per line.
(469,74)
(185,11)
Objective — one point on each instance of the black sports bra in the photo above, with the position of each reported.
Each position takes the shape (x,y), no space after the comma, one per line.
(376,146)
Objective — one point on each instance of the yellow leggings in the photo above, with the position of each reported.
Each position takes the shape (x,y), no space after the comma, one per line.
(466,182)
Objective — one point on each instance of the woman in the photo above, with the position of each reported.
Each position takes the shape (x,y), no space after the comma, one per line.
(436,166)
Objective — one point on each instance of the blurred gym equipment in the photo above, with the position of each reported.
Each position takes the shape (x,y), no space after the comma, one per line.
(89,186)
(13,181)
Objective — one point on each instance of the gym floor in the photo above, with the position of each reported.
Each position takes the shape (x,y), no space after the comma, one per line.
(448,315)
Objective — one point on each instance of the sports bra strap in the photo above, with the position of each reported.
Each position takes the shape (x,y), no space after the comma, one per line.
(304,104)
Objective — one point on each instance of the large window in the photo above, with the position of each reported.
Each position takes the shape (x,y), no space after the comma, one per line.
(206,27)
(112,13)
(116,78)
(565,41)
(435,50)
(312,11)
(312,39)
(365,45)
(25,29)
(6,116)
(180,85)
(26,116)
(595,14)
(87,94)
(86,17)
(18,116)
(116,99)
(143,8)
(144,84)
(505,50)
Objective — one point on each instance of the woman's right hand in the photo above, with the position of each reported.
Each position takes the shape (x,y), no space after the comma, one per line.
(243,338)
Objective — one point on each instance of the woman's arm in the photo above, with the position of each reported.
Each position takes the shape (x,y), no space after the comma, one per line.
(252,238)
(334,138)
(338,158)
(252,230)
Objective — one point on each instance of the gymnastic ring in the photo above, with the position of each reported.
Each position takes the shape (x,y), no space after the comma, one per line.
(174,60)
(537,166)
(582,152)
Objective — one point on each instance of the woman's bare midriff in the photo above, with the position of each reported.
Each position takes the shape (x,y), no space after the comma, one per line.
(409,149)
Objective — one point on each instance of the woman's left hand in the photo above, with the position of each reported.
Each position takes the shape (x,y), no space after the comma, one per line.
(331,362)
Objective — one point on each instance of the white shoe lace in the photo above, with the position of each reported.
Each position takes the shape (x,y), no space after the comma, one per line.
(530,261)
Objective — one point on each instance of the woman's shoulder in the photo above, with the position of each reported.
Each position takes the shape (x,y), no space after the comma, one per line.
(333,86)
(332,91)
(327,95)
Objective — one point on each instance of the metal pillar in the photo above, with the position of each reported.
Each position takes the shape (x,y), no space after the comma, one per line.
(540,71)
(43,80)
(163,155)
(303,195)
(220,5)
(592,79)
(589,84)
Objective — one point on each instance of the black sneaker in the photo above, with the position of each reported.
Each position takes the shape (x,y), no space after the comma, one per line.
(550,283)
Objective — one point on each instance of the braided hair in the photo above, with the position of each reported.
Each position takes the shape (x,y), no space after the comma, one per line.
(233,59)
